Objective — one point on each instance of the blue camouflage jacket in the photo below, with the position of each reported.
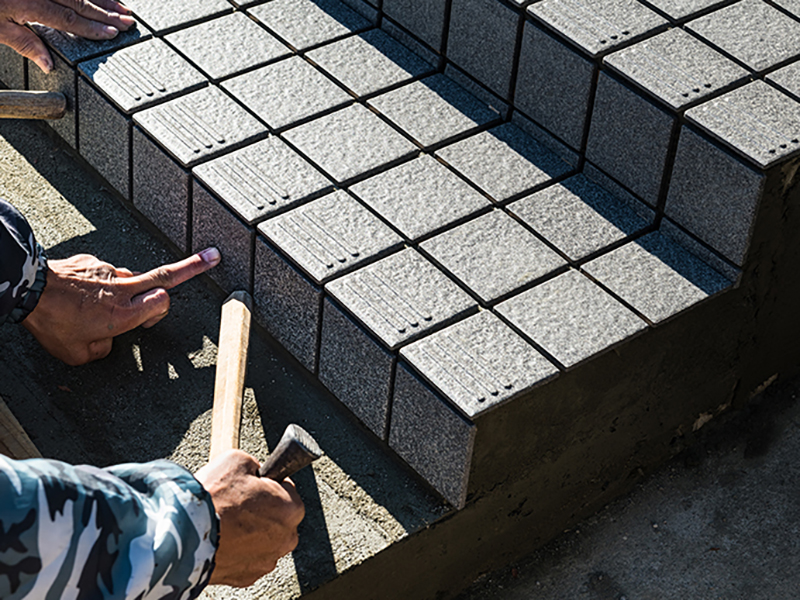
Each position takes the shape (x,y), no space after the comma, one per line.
(137,531)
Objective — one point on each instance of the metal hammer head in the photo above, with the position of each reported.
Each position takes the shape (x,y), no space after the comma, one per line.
(296,450)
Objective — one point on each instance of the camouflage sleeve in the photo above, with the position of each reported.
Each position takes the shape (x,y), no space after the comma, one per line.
(23,266)
(142,531)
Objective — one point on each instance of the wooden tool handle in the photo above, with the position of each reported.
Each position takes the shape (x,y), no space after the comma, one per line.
(32,105)
(234,338)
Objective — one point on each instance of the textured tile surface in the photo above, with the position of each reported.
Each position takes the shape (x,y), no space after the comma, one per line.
(420,196)
(792,6)
(434,109)
(370,62)
(787,79)
(752,31)
(227,45)
(675,67)
(571,318)
(160,15)
(580,217)
(75,49)
(286,92)
(12,68)
(350,142)
(493,255)
(756,120)
(60,79)
(680,9)
(656,276)
(400,297)
(713,195)
(519,162)
(553,85)
(597,26)
(628,138)
(481,41)
(306,23)
(423,18)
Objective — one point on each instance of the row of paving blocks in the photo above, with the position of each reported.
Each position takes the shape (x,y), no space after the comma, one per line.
(528,244)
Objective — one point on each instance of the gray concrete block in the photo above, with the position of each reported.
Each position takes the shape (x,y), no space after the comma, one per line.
(493,255)
(702,251)
(321,240)
(787,79)
(553,85)
(757,121)
(519,162)
(12,68)
(370,62)
(75,49)
(306,23)
(600,26)
(227,45)
(350,142)
(423,18)
(682,9)
(476,89)
(286,92)
(629,138)
(656,276)
(61,79)
(675,67)
(579,217)
(434,109)
(751,31)
(571,318)
(366,8)
(546,139)
(420,196)
(481,41)
(161,16)
(714,196)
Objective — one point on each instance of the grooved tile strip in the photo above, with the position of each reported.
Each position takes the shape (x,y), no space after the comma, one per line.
(136,69)
(294,229)
(373,300)
(312,217)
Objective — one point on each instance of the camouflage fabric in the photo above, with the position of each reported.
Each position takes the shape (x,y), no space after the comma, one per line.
(140,531)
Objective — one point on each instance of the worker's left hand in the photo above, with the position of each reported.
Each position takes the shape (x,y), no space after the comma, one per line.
(87,302)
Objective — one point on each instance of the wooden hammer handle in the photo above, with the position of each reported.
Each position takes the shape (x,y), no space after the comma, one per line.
(234,339)
(32,105)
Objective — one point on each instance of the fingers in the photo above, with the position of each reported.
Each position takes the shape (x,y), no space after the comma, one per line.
(100,349)
(148,309)
(27,44)
(81,17)
(169,276)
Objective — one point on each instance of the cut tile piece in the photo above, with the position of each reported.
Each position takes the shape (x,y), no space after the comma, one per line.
(681,9)
(571,317)
(423,18)
(306,23)
(308,247)
(61,78)
(420,196)
(434,109)
(751,31)
(675,67)
(370,62)
(579,217)
(493,255)
(600,26)
(75,49)
(635,156)
(161,16)
(350,142)
(714,196)
(519,162)
(286,92)
(756,120)
(227,45)
(787,79)
(12,68)
(481,41)
(656,276)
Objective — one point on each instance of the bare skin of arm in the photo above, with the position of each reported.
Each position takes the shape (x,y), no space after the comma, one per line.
(91,19)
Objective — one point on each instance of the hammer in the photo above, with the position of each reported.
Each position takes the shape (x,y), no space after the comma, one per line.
(296,448)
(32,105)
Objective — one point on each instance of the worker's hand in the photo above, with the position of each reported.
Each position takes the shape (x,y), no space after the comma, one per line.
(92,19)
(87,302)
(258,518)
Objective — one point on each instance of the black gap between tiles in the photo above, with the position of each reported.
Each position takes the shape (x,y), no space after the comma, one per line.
(512,84)
(561,368)
(390,404)
(666,173)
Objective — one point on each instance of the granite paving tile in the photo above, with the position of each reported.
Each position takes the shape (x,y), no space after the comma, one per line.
(676,68)
(420,196)
(580,218)
(74,49)
(481,41)
(493,255)
(476,89)
(423,18)
(12,68)
(752,31)
(635,156)
(161,16)
(600,26)
(656,276)
(791,6)
(227,45)
(434,109)
(370,62)
(350,142)
(62,79)
(713,195)
(306,23)
(682,9)
(692,243)
(571,317)
(787,79)
(756,120)
(519,162)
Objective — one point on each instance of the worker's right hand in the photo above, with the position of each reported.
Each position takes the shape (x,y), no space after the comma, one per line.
(258,518)
(92,19)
